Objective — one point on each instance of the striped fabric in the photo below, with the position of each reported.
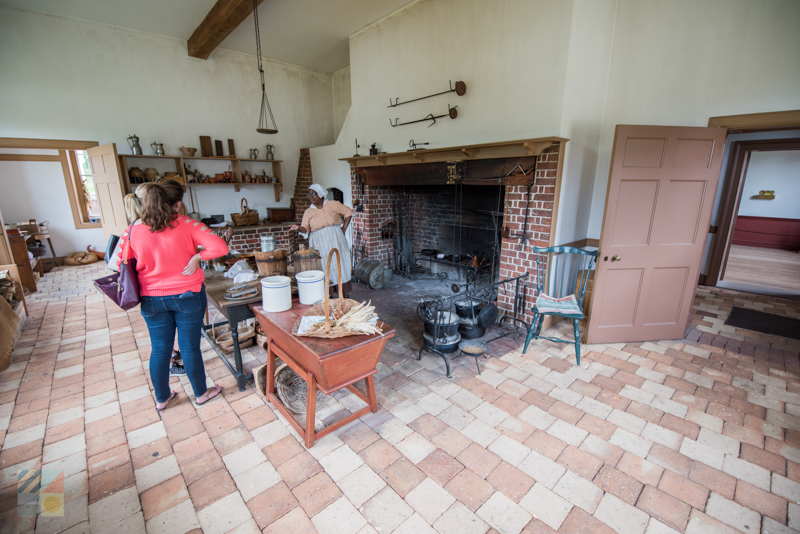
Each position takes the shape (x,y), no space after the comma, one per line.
(568,305)
(326,239)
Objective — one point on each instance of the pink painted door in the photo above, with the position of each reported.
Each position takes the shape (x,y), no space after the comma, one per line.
(658,206)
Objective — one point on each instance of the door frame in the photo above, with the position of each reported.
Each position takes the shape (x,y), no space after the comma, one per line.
(732,196)
(749,122)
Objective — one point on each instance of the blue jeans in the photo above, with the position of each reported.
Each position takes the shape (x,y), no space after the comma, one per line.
(163,315)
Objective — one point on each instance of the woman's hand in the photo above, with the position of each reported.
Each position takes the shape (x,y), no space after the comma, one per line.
(192,266)
(294,228)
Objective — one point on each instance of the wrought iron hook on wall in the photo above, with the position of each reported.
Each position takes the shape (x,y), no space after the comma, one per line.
(452,112)
(460,89)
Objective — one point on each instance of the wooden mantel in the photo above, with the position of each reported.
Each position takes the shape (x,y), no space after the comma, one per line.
(503,149)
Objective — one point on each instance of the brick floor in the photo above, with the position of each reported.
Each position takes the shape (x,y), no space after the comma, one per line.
(693,434)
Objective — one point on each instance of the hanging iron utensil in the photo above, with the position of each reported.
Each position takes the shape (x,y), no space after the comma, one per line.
(263,124)
(416,146)
(460,89)
(523,236)
(452,112)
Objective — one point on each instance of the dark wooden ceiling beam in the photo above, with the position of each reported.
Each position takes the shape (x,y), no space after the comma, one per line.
(224,17)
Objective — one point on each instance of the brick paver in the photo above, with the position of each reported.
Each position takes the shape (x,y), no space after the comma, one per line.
(694,434)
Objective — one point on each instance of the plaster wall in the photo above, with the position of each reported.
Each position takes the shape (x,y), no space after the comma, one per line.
(36,190)
(66,78)
(341,98)
(574,69)
(679,62)
(774,171)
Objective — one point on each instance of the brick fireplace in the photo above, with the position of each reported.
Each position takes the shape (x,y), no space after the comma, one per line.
(429,203)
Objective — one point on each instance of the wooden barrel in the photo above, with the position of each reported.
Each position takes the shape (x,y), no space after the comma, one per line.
(306,260)
(272,263)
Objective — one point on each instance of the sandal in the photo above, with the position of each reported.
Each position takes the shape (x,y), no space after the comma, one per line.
(164,404)
(209,394)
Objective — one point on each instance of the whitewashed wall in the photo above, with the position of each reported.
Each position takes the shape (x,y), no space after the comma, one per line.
(65,78)
(341,98)
(775,171)
(36,190)
(575,69)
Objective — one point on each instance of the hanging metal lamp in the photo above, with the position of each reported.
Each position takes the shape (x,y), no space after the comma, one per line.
(263,123)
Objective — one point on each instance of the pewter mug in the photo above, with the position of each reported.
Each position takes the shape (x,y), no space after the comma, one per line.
(133,142)
(253,153)
(158,148)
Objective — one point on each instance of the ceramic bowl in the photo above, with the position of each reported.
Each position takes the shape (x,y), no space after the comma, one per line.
(187,152)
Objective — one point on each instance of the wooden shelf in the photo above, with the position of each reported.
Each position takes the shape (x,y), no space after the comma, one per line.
(504,149)
(236,170)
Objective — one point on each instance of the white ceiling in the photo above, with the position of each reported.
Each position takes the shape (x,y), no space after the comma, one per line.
(311,33)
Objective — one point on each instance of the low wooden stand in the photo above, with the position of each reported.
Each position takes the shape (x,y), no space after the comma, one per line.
(326,365)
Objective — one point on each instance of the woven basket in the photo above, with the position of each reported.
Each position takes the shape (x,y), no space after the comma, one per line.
(326,308)
(246,217)
(224,340)
(293,390)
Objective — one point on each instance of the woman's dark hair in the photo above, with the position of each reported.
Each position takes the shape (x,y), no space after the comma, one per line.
(157,206)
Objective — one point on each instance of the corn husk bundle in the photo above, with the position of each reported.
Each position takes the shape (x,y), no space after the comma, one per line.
(357,320)
(343,317)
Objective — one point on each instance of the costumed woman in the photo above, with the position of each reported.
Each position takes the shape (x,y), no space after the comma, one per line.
(325,223)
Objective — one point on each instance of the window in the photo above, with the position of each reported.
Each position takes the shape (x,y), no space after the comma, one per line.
(83,194)
(91,206)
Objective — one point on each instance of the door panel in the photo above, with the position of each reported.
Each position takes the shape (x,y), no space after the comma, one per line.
(666,293)
(110,192)
(644,152)
(659,200)
(625,284)
(693,153)
(635,217)
(682,214)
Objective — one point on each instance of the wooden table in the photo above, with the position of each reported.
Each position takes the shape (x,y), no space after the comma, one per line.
(326,365)
(234,311)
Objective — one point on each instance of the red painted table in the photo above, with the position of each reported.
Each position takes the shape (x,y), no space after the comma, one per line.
(326,365)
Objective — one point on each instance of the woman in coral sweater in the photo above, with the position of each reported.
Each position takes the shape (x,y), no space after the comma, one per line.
(164,244)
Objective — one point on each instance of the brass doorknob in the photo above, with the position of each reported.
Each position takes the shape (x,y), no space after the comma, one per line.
(616,258)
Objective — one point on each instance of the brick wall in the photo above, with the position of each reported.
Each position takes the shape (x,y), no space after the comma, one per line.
(250,240)
(304,179)
(515,260)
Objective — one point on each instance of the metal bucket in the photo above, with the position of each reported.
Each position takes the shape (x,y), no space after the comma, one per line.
(370,272)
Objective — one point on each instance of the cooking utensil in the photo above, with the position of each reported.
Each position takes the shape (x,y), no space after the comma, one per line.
(488,315)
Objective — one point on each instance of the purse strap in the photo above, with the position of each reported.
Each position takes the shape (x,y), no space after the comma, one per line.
(128,243)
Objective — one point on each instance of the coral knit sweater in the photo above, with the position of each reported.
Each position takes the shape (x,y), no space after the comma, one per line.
(162,256)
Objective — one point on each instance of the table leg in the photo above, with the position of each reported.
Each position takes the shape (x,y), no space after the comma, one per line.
(52,251)
(237,357)
(311,408)
(270,387)
(373,399)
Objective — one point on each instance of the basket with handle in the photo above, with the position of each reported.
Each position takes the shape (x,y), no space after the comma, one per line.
(326,308)
(246,217)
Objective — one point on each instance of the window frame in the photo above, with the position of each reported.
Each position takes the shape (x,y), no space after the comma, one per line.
(80,214)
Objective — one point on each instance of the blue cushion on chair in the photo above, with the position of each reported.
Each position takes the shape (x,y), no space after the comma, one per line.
(564,306)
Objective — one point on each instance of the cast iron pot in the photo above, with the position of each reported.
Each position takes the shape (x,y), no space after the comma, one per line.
(445,346)
(471,331)
(447,326)
(468,308)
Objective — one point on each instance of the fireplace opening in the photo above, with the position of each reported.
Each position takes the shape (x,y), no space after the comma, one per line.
(451,231)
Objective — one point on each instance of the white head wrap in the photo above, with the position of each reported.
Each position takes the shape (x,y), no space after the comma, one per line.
(319,190)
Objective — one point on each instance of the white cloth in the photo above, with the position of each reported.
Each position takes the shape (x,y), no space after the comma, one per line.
(319,190)
(329,238)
